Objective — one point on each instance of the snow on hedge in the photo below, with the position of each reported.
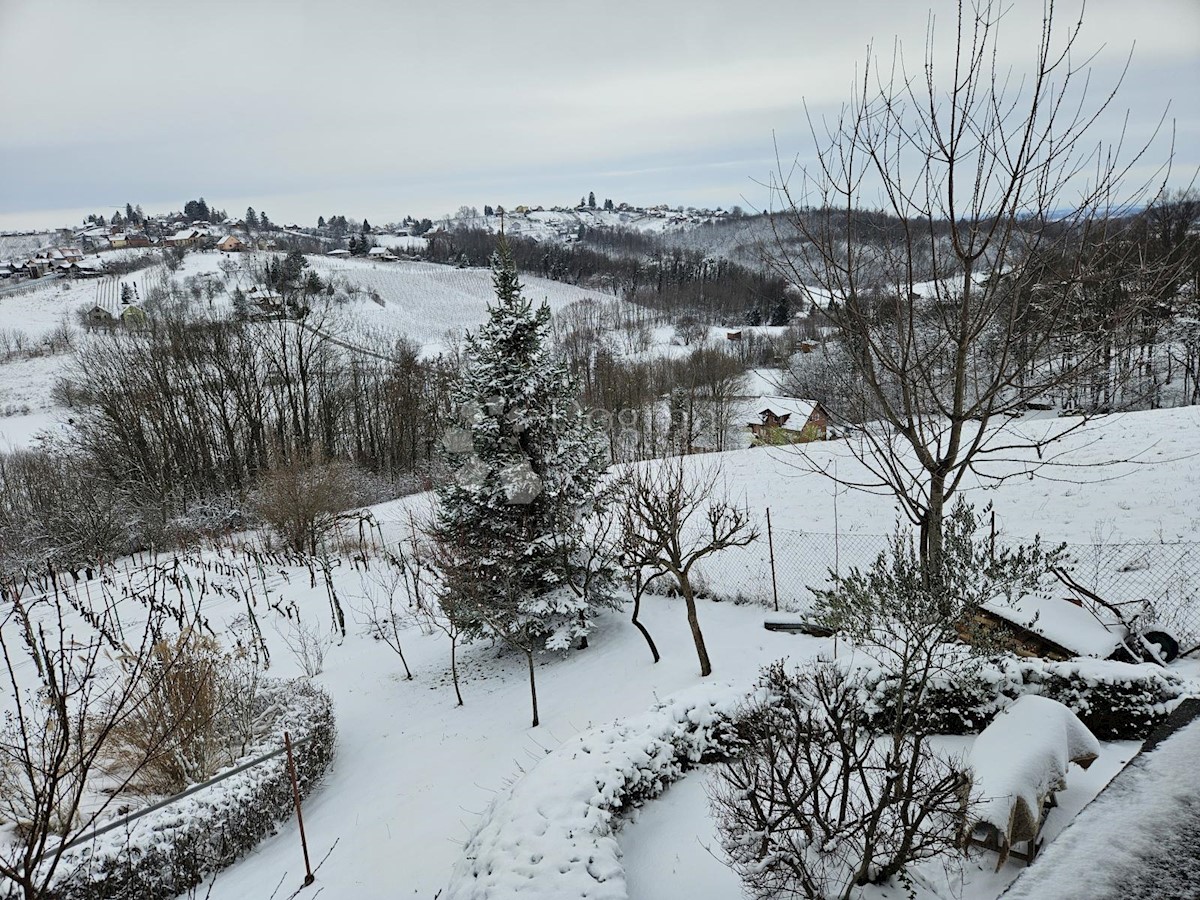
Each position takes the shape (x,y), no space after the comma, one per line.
(166,852)
(1020,758)
(1115,700)
(551,834)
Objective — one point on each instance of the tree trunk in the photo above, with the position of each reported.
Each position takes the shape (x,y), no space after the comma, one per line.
(637,607)
(931,531)
(694,622)
(454,669)
(532,687)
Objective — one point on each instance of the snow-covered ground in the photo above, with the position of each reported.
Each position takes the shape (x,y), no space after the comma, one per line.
(415,772)
(430,302)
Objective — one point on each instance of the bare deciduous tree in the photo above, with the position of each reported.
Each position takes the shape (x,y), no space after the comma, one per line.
(303,499)
(670,521)
(68,701)
(1001,204)
(816,806)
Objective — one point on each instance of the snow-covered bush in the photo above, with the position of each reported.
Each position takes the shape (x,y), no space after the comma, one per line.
(166,852)
(551,834)
(1117,701)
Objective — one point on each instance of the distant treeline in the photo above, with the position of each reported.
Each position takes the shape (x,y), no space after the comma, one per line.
(671,280)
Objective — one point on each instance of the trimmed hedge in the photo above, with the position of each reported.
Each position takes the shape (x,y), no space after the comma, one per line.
(169,851)
(551,834)
(1117,701)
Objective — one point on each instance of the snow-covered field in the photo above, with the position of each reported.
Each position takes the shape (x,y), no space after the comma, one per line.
(430,302)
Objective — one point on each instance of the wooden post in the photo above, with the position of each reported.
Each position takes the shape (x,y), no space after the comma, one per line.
(287,742)
(771,551)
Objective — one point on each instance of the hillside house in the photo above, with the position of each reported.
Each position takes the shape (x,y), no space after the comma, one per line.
(99,317)
(185,237)
(133,317)
(338,253)
(231,244)
(265,299)
(36,267)
(382,254)
(85,269)
(789,420)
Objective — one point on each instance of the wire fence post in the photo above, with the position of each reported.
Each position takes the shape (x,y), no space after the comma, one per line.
(771,552)
(287,742)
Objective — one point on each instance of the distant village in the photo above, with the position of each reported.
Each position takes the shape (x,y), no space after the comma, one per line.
(74,253)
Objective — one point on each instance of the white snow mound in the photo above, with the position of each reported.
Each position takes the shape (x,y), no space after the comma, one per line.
(1020,758)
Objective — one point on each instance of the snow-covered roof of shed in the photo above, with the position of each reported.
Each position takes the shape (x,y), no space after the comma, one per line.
(1061,621)
(797,408)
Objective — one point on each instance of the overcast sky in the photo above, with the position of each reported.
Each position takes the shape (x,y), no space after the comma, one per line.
(387,108)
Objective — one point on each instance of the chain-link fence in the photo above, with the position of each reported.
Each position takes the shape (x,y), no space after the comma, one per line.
(1167,574)
(802,561)
(786,565)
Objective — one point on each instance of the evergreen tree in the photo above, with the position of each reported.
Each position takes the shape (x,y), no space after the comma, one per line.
(264,222)
(488,211)
(591,199)
(366,227)
(525,468)
(241,306)
(608,204)
(129,217)
(251,218)
(320,221)
(781,311)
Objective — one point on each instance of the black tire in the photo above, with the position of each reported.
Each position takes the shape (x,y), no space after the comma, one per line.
(1168,647)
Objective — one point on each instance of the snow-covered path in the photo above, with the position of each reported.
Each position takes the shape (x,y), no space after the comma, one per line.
(1140,840)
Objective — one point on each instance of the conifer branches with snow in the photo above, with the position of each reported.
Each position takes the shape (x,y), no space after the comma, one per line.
(522,488)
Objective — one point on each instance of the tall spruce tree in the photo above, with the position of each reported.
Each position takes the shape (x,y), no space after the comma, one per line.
(514,516)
